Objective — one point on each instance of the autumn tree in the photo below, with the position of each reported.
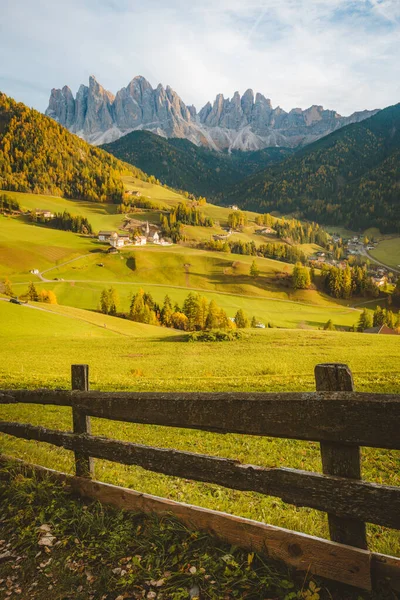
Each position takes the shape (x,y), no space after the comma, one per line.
(109,301)
(7,288)
(47,296)
(301,277)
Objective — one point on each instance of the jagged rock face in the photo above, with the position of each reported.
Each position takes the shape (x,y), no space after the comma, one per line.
(242,123)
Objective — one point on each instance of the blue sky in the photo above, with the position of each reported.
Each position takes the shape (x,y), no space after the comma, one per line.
(343,54)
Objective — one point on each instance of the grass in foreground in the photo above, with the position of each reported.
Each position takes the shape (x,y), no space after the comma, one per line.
(95,552)
(37,349)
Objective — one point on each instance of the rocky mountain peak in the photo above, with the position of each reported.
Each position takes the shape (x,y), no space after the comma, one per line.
(246,122)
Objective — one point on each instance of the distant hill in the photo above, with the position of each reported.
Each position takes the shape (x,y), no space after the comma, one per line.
(185,166)
(350,177)
(38,155)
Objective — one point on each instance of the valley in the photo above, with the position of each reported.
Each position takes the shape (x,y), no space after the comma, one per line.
(307,294)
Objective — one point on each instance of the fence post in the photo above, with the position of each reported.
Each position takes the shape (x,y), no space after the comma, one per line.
(84,464)
(342,460)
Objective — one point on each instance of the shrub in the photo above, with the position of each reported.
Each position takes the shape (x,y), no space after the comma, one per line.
(216,335)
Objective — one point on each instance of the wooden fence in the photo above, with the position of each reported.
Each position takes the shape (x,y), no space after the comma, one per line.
(336,416)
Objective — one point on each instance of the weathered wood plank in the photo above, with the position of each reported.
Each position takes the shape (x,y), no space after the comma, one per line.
(345,417)
(386,568)
(341,460)
(84,464)
(306,553)
(340,496)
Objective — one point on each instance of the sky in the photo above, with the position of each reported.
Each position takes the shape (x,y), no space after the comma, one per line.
(342,54)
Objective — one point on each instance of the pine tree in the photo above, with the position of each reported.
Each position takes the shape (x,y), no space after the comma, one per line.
(166,312)
(212,321)
(253,322)
(301,277)
(329,326)
(365,321)
(32,293)
(254,270)
(241,319)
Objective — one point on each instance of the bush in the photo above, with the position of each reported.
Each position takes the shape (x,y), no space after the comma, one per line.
(216,335)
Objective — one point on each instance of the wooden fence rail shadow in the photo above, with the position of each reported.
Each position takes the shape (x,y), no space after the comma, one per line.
(335,415)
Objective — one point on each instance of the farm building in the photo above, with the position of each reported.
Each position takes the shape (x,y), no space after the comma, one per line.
(46,214)
(140,240)
(104,236)
(381,330)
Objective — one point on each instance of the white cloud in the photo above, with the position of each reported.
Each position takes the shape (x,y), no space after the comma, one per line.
(343,54)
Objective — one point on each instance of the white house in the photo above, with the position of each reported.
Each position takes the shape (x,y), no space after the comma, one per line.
(140,240)
(118,241)
(104,236)
(155,238)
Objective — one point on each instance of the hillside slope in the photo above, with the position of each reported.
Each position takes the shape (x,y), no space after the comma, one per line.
(183,165)
(38,155)
(350,177)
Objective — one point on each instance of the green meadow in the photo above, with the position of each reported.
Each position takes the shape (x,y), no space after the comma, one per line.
(388,252)
(37,348)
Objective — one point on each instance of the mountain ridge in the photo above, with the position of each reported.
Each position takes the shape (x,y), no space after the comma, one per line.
(247,122)
(40,156)
(350,177)
(185,166)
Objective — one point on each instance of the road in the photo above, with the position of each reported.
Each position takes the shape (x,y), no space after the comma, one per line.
(365,253)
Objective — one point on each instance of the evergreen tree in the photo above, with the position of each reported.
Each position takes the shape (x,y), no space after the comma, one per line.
(32,293)
(190,309)
(329,326)
(241,319)
(365,321)
(301,277)
(166,312)
(378,317)
(253,322)
(254,270)
(212,321)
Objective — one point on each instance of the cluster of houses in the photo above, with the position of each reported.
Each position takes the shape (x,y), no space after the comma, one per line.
(118,240)
(44,214)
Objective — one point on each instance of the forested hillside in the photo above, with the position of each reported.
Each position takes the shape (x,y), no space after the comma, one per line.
(185,166)
(351,177)
(38,155)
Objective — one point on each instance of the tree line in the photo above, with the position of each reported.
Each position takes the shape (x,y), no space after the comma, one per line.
(281,252)
(8,204)
(64,221)
(38,155)
(348,282)
(183,214)
(380,316)
(195,314)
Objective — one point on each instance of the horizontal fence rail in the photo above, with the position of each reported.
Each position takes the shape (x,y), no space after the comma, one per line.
(355,418)
(336,416)
(370,502)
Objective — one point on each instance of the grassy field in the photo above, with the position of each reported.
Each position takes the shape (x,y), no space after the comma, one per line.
(37,349)
(388,252)
(106,553)
(280,313)
(173,270)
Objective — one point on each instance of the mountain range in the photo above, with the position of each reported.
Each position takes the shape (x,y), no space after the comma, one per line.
(350,177)
(247,122)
